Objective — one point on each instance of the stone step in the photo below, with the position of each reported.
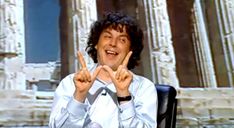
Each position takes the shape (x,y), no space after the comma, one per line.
(22,116)
(205,92)
(199,103)
(17,94)
(44,95)
(24,108)
(24,124)
(24,104)
(24,113)
(208,102)
(182,122)
(26,94)
(203,112)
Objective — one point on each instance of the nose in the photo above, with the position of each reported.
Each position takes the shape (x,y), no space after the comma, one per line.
(113,42)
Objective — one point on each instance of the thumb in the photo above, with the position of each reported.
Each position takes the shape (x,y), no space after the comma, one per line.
(96,72)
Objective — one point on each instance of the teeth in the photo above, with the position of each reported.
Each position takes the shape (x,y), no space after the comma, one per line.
(111,52)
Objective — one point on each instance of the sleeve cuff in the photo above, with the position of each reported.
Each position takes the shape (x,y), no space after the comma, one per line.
(77,108)
(127,110)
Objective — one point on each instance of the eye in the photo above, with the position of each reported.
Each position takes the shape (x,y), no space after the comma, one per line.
(107,36)
(123,40)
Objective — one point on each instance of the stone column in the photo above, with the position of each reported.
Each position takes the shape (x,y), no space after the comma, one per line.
(12,52)
(84,13)
(160,44)
(225,14)
(202,48)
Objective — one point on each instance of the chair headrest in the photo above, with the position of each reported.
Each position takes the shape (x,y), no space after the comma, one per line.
(166,99)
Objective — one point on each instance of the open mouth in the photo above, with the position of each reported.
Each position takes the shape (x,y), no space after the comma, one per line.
(111,52)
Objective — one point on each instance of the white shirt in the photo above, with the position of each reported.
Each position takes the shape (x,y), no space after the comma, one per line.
(101,109)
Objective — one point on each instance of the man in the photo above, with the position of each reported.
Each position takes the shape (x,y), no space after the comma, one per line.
(108,95)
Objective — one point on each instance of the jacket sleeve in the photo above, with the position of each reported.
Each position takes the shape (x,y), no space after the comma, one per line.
(141,111)
(66,111)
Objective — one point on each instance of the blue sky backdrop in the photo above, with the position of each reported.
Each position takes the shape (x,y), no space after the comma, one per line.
(42,30)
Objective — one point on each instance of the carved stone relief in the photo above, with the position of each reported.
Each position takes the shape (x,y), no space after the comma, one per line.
(84,14)
(159,34)
(11,45)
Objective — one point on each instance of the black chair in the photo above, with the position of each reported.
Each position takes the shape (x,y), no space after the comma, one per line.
(167,106)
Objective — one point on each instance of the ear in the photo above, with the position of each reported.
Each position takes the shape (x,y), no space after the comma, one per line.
(95,47)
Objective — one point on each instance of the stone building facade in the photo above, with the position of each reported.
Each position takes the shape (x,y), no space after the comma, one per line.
(189,46)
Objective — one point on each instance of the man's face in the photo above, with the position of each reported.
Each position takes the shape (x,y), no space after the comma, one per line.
(112,47)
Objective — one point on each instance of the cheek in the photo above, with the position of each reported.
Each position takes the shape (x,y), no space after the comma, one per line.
(99,44)
(127,47)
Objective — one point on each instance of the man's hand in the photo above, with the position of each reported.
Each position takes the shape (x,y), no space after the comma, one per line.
(83,79)
(122,77)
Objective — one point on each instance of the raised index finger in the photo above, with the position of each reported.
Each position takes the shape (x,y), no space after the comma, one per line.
(126,59)
(81,59)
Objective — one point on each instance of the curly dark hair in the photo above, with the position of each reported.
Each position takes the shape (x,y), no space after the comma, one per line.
(117,21)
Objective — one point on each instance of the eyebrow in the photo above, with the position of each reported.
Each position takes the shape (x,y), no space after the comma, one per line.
(125,35)
(105,31)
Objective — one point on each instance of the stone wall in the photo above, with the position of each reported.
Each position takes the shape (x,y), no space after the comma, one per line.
(197,108)
(20,108)
(205,107)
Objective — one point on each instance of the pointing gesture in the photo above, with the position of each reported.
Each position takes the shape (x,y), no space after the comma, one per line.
(83,79)
(122,78)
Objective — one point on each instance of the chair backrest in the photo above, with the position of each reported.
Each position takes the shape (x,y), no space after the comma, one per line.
(167,106)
